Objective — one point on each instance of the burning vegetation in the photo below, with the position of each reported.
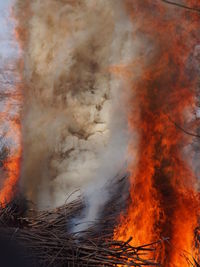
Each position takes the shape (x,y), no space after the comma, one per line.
(48,240)
(163,182)
(111,106)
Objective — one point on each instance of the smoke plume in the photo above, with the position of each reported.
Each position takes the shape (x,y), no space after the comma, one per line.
(75,131)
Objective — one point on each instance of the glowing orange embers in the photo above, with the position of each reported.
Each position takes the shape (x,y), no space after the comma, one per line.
(163,198)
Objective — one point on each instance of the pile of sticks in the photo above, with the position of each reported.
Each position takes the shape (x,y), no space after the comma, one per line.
(47,239)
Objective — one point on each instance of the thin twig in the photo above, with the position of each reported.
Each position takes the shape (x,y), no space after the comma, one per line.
(181,6)
(182,129)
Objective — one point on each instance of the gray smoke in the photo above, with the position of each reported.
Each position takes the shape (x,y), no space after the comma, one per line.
(75,129)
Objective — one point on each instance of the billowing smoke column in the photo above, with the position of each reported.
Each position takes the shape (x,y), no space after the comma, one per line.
(75,125)
(164,199)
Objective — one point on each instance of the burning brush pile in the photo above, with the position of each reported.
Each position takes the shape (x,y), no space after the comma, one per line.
(92,90)
(45,238)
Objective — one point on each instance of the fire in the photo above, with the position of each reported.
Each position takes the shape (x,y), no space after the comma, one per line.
(12,164)
(163,198)
(10,127)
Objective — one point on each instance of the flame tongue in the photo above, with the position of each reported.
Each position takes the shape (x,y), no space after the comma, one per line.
(10,125)
(163,198)
(12,165)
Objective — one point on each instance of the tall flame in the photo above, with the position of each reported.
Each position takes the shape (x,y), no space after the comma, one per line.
(163,197)
(10,124)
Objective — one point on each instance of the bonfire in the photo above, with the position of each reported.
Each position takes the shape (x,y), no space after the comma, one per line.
(88,86)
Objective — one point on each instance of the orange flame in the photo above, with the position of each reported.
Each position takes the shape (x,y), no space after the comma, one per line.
(11,117)
(12,165)
(163,197)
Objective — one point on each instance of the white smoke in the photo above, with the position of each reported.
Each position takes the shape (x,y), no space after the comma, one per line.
(75,128)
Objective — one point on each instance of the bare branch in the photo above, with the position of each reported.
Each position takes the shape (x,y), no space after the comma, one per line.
(194,9)
(182,129)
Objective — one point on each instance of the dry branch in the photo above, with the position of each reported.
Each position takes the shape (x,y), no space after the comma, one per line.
(49,242)
(182,129)
(194,9)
